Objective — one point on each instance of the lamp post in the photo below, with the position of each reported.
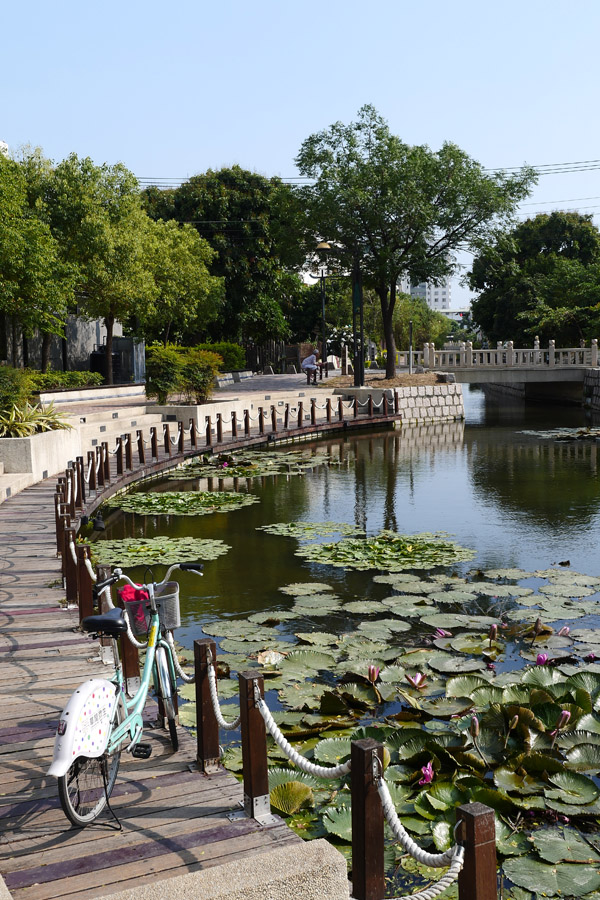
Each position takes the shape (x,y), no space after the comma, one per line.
(357,316)
(323,246)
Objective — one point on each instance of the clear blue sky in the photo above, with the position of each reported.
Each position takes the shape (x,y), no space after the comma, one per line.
(173,89)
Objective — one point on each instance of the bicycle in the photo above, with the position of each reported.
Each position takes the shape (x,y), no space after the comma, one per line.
(99,718)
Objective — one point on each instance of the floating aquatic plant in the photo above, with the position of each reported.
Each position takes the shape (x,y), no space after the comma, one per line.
(388,550)
(181,503)
(150,551)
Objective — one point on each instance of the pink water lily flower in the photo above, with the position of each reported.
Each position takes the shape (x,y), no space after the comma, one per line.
(563,719)
(441,633)
(373,674)
(418,680)
(428,773)
(542,659)
(564,631)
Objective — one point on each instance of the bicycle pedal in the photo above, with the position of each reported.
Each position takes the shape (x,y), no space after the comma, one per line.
(142,751)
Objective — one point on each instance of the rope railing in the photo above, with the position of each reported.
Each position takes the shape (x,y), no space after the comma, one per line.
(90,569)
(187,679)
(89,472)
(212,682)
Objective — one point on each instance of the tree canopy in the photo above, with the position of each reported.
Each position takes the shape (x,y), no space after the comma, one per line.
(396,209)
(540,278)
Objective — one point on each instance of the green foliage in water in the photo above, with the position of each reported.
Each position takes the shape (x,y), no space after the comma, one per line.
(181,503)
(388,550)
(152,551)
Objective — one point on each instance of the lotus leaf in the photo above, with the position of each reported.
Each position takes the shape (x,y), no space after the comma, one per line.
(364,607)
(338,821)
(510,842)
(568,879)
(572,788)
(332,751)
(180,503)
(585,757)
(281,775)
(448,662)
(589,635)
(387,550)
(508,780)
(458,620)
(156,551)
(509,574)
(291,796)
(319,638)
(306,531)
(306,587)
(565,588)
(565,845)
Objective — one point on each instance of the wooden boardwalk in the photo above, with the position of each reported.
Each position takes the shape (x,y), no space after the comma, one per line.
(175,819)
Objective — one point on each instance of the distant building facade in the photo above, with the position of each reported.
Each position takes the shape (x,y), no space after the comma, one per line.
(437,296)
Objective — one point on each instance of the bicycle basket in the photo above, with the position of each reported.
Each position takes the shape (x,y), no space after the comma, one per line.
(167,601)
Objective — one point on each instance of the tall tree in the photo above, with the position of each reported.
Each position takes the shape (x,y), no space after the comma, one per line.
(97,218)
(541,277)
(186,293)
(34,286)
(233,210)
(392,209)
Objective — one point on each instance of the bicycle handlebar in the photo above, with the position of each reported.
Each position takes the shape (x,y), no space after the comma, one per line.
(118,575)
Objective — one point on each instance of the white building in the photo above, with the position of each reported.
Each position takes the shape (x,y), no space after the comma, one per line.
(437,296)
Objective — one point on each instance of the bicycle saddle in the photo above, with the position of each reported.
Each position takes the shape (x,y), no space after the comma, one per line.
(112,623)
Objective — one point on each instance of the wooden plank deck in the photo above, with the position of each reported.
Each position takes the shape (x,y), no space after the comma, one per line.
(174,818)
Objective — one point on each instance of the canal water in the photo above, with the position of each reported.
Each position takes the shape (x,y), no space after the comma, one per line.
(517,499)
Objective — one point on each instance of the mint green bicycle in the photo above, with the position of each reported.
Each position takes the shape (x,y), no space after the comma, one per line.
(100,722)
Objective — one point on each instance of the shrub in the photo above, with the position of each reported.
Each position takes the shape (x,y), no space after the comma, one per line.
(25,420)
(15,388)
(200,368)
(233,356)
(164,369)
(51,381)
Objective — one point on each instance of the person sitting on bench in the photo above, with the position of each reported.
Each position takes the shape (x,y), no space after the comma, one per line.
(309,365)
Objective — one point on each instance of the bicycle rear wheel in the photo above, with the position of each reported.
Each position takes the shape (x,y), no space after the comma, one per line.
(88,783)
(166,692)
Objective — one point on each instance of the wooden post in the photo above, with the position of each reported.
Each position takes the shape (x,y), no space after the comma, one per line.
(102,573)
(273,418)
(355,407)
(328,409)
(106,458)
(57,522)
(81,477)
(70,568)
(193,436)
(313,411)
(340,410)
(370,406)
(86,600)
(261,420)
(99,470)
(141,448)
(396,403)
(64,521)
(367,821)
(246,423)
(120,455)
(71,491)
(154,442)
(207,728)
(476,832)
(167,439)
(180,438)
(300,414)
(286,418)
(219,428)
(130,659)
(208,431)
(128,452)
(234,424)
(91,459)
(254,748)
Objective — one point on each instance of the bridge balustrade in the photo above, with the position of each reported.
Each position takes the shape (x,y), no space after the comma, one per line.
(507,355)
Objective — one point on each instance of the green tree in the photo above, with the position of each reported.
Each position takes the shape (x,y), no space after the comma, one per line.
(233,209)
(542,277)
(97,218)
(429,325)
(34,285)
(186,293)
(393,209)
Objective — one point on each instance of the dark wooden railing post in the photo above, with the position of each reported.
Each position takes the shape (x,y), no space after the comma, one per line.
(396,403)
(286,416)
(64,521)
(130,658)
(81,478)
(340,410)
(355,407)
(91,464)
(57,503)
(193,437)
(368,881)
(70,568)
(234,424)
(370,406)
(254,747)
(247,422)
(140,447)
(70,473)
(120,455)
(128,452)
(313,411)
(273,418)
(103,572)
(261,420)
(476,832)
(219,428)
(328,409)
(300,414)
(207,728)
(154,442)
(167,439)
(99,463)
(180,438)
(106,459)
(86,600)
(208,431)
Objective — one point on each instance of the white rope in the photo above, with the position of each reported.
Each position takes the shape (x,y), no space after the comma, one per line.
(69,490)
(73,550)
(174,440)
(445,881)
(89,474)
(188,679)
(212,684)
(377,405)
(125,442)
(90,569)
(116,450)
(139,644)
(304,764)
(98,463)
(436,860)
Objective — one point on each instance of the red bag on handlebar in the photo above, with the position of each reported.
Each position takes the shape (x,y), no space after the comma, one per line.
(129,594)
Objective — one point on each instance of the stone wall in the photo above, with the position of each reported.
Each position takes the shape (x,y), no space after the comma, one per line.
(418,404)
(591,389)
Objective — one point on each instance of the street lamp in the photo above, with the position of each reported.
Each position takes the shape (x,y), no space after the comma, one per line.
(324,247)
(357,314)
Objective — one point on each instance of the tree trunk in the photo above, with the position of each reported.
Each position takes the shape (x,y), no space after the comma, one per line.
(109,321)
(13,325)
(387,312)
(65,355)
(25,351)
(46,341)
(167,330)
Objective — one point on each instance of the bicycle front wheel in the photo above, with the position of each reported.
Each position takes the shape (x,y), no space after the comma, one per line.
(166,692)
(88,783)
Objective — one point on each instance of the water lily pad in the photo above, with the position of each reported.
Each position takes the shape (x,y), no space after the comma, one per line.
(156,551)
(458,620)
(585,758)
(306,531)
(305,587)
(363,607)
(180,503)
(463,685)
(572,788)
(304,663)
(508,573)
(387,550)
(449,662)
(568,879)
(589,635)
(510,842)
(291,796)
(318,638)
(338,821)
(332,751)
(282,775)
(565,588)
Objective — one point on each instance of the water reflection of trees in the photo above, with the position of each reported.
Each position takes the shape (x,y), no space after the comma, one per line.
(551,481)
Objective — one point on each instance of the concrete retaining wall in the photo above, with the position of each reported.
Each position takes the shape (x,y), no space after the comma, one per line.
(420,404)
(591,388)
